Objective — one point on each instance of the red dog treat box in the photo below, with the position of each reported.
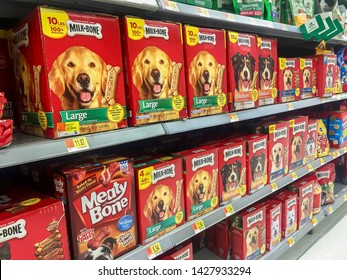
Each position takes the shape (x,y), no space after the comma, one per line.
(257,157)
(248,234)
(154,58)
(101,205)
(278,148)
(68,67)
(201,190)
(181,252)
(308,74)
(289,211)
(298,137)
(242,71)
(326,177)
(289,81)
(223,239)
(267,65)
(32,227)
(327,74)
(305,190)
(206,76)
(311,142)
(159,196)
(273,223)
(232,170)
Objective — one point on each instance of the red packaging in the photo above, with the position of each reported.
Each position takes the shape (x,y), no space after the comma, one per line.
(201,190)
(6,132)
(3,101)
(289,212)
(273,223)
(205,60)
(257,157)
(308,74)
(232,170)
(69,72)
(159,196)
(248,234)
(326,177)
(242,53)
(180,252)
(154,58)
(223,239)
(289,81)
(32,226)
(311,142)
(317,195)
(298,137)
(267,64)
(323,146)
(101,206)
(305,189)
(278,148)
(327,75)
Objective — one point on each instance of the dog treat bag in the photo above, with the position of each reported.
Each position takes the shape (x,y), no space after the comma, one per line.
(251,8)
(309,8)
(323,146)
(326,178)
(272,10)
(298,12)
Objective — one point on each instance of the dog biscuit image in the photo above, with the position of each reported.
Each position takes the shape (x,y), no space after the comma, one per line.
(112,79)
(176,68)
(37,82)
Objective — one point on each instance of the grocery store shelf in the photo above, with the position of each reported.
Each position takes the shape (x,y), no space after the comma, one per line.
(26,148)
(222,119)
(186,231)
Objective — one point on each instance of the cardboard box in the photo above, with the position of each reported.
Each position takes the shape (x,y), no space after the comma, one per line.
(242,52)
(201,190)
(337,130)
(205,60)
(159,196)
(32,226)
(311,142)
(69,72)
(154,58)
(101,206)
(181,252)
(289,81)
(326,74)
(248,234)
(267,65)
(223,239)
(308,74)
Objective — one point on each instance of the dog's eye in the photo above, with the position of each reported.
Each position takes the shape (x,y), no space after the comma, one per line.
(71,64)
(161,62)
(210,64)
(23,68)
(147,61)
(199,64)
(205,178)
(92,65)
(165,193)
(196,180)
(155,197)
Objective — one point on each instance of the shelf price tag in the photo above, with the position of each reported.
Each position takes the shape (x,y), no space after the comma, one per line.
(345,149)
(154,251)
(310,167)
(229,17)
(291,242)
(314,221)
(172,6)
(330,210)
(198,226)
(76,144)
(294,176)
(273,187)
(284,27)
(322,161)
(290,106)
(228,210)
(233,117)
(203,12)
(345,197)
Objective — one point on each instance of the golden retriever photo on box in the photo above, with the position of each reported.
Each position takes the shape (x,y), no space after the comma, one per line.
(252,240)
(152,71)
(305,208)
(79,77)
(296,148)
(159,205)
(276,157)
(200,185)
(306,77)
(203,74)
(288,79)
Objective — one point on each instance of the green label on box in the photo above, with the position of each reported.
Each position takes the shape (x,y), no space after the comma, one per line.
(33,118)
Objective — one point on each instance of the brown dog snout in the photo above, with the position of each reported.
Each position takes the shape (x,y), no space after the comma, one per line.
(206,75)
(83,79)
(155,73)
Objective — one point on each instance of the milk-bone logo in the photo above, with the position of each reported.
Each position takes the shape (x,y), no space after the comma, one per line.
(265,45)
(300,127)
(156,31)
(259,145)
(244,41)
(232,153)
(203,161)
(15,230)
(85,29)
(104,204)
(20,37)
(280,133)
(163,173)
(207,38)
(257,217)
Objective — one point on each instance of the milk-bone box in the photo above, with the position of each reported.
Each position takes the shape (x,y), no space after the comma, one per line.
(32,226)
(69,72)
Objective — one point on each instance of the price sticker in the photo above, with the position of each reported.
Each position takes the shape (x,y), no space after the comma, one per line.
(294,176)
(314,222)
(198,226)
(345,197)
(172,6)
(154,251)
(229,17)
(345,149)
(203,12)
(228,210)
(290,106)
(76,144)
(233,117)
(291,242)
(274,187)
(322,161)
(330,210)
(310,167)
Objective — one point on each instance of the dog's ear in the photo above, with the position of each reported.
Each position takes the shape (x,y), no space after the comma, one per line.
(252,60)
(192,71)
(235,58)
(190,191)
(55,77)
(137,71)
(239,165)
(291,140)
(272,62)
(148,210)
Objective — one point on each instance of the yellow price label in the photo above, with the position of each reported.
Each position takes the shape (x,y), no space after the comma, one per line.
(229,17)
(233,117)
(314,222)
(290,106)
(172,6)
(199,226)
(310,167)
(76,144)
(203,12)
(345,149)
(291,242)
(228,210)
(322,161)
(294,176)
(274,187)
(330,210)
(154,250)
